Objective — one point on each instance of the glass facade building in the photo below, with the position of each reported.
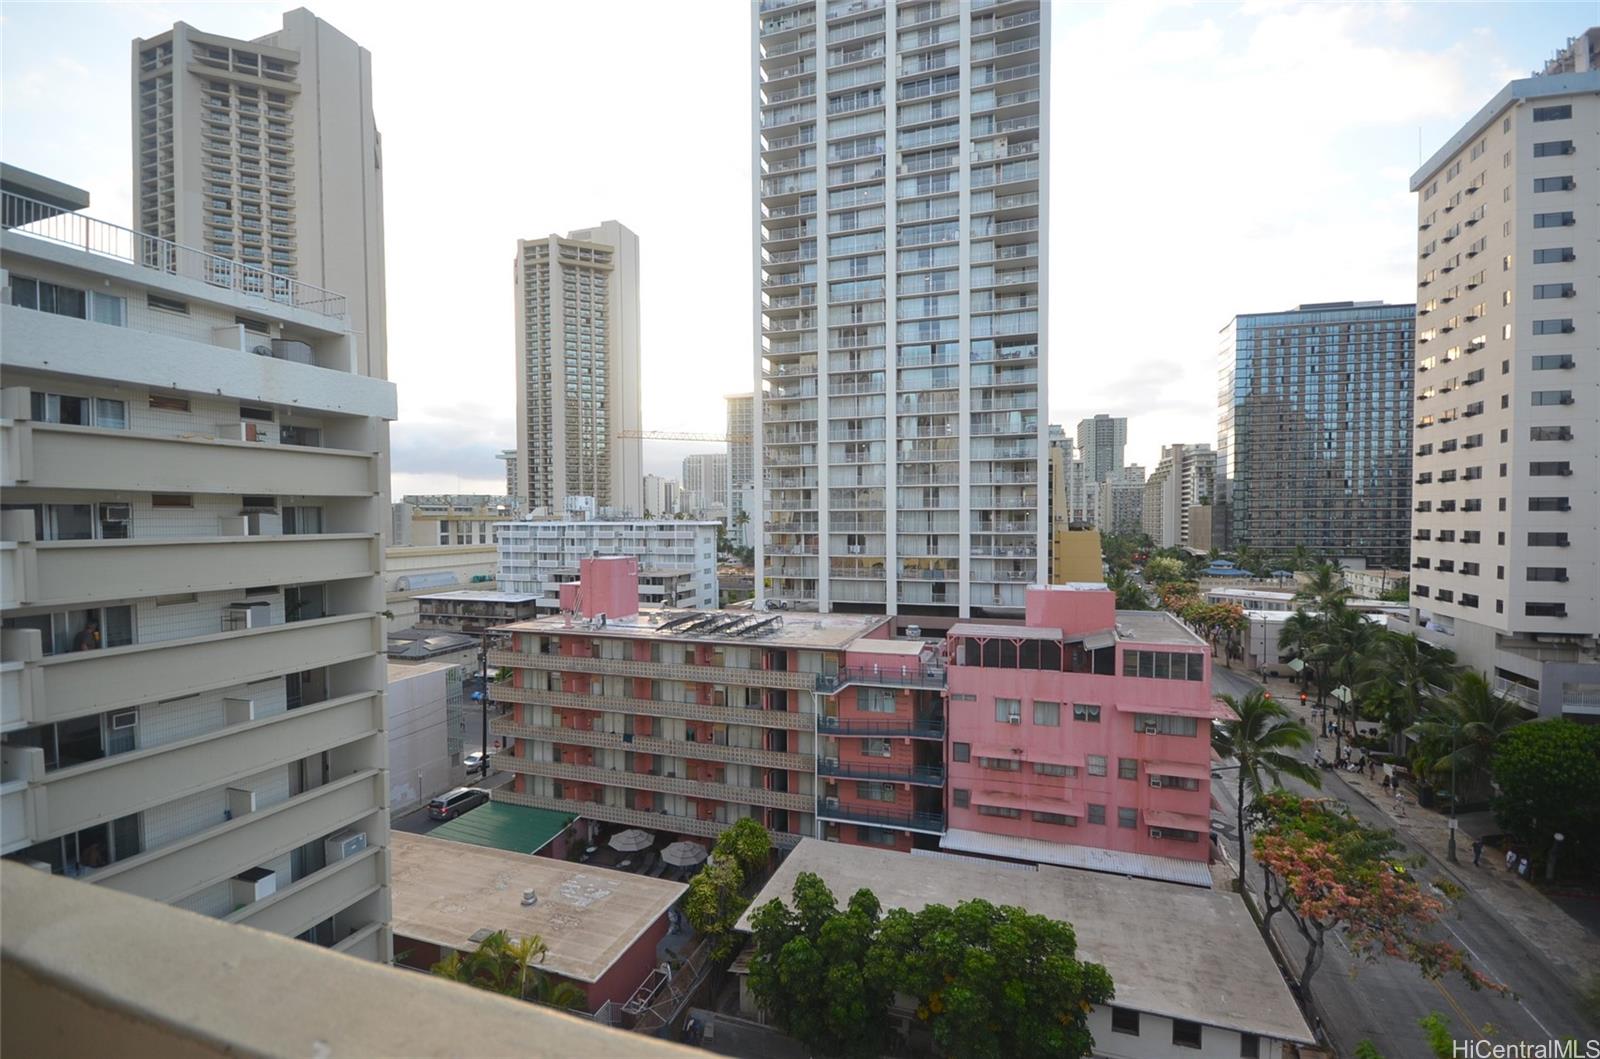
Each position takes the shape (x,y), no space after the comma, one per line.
(1314,429)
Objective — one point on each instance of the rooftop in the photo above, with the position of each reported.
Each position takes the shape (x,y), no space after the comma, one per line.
(1178,951)
(1526,88)
(445,892)
(470,596)
(1251,593)
(503,826)
(1154,626)
(809,631)
(1089,858)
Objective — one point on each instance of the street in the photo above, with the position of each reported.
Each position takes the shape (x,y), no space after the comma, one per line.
(1383,1001)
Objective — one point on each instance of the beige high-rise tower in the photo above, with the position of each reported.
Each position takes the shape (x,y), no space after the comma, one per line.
(577,308)
(266,152)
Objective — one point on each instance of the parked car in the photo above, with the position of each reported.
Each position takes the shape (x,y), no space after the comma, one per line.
(452,804)
(477,761)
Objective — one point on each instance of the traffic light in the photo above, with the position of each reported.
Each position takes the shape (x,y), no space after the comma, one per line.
(1302,698)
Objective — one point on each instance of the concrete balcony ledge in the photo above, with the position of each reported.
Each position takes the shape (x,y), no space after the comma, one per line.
(86,971)
(691,711)
(639,744)
(696,674)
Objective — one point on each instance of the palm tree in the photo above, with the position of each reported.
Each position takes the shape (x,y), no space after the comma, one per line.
(1260,739)
(1130,596)
(501,965)
(1297,638)
(1323,586)
(1465,728)
(1408,669)
(1300,558)
(559,993)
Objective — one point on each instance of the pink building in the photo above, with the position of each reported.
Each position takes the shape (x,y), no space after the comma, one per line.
(1082,737)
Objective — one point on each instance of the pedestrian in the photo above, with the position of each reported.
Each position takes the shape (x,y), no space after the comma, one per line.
(1522,867)
(1477,852)
(1511,860)
(1372,767)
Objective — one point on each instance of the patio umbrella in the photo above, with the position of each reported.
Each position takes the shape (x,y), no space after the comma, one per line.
(632,841)
(684,854)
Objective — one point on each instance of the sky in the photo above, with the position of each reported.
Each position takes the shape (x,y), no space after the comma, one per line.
(1207,159)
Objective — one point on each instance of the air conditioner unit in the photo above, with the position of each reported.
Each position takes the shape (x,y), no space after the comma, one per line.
(124,719)
(830,722)
(1155,781)
(1014,719)
(830,762)
(1151,728)
(116,513)
(1156,832)
(262,349)
(344,844)
(1569,293)
(1566,472)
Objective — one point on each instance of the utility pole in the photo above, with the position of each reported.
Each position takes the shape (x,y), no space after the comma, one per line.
(483,700)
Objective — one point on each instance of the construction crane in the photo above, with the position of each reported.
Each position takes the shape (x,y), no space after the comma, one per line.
(682,435)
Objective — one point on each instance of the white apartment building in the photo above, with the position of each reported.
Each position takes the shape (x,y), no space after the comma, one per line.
(191,668)
(1182,479)
(660,496)
(513,481)
(266,152)
(1120,507)
(1505,518)
(1102,440)
(741,467)
(577,309)
(706,475)
(902,155)
(677,558)
(449,520)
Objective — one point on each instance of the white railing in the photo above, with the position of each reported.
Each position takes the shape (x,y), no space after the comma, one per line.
(52,224)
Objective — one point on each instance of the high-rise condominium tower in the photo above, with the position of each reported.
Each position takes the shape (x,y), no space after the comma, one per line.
(1184,478)
(1314,430)
(1101,442)
(192,698)
(266,152)
(1505,523)
(902,158)
(577,306)
(741,465)
(706,475)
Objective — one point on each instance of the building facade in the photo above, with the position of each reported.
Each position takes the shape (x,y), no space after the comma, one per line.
(660,496)
(677,558)
(1075,555)
(901,152)
(706,475)
(1101,443)
(1184,478)
(513,478)
(577,313)
(1314,429)
(192,688)
(450,520)
(1121,501)
(741,468)
(1505,524)
(266,152)
(1065,729)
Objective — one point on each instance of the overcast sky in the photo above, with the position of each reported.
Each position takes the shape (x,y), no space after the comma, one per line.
(1208,159)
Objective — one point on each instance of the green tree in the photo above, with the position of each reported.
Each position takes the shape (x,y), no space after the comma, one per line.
(1300,558)
(1411,668)
(1260,738)
(1461,732)
(809,971)
(1399,592)
(502,965)
(1324,586)
(1164,568)
(715,902)
(1297,638)
(992,982)
(1130,594)
(748,843)
(1436,1028)
(1548,775)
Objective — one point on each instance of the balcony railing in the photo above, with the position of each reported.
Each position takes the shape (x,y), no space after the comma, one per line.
(745,676)
(694,750)
(910,820)
(43,221)
(927,727)
(646,781)
(922,775)
(891,676)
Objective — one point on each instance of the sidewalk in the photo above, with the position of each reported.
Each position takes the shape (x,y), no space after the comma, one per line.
(1566,944)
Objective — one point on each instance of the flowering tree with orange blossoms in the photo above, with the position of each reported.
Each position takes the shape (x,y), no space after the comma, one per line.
(1330,874)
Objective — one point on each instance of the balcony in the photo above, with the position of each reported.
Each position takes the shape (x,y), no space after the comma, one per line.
(695,750)
(644,781)
(121,461)
(919,775)
(77,973)
(28,217)
(892,676)
(616,814)
(923,727)
(931,823)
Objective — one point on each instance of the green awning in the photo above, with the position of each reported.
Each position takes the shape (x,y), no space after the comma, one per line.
(497,825)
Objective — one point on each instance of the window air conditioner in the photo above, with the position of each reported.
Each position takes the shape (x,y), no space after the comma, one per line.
(1156,832)
(124,719)
(344,844)
(1155,781)
(830,803)
(830,762)
(1151,728)
(1014,719)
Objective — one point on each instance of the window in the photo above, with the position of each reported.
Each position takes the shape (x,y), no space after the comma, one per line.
(875,700)
(169,404)
(875,792)
(262,414)
(1547,573)
(1551,397)
(48,297)
(1547,540)
(1125,1020)
(1551,148)
(961,751)
(1097,814)
(1549,503)
(1185,1034)
(78,411)
(1553,183)
(1557,219)
(1083,712)
(171,500)
(168,305)
(1000,810)
(1127,768)
(1097,764)
(875,836)
(875,747)
(1059,819)
(1047,713)
(960,797)
(1556,113)
(1045,769)
(1548,468)
(1553,290)
(1181,783)
(1545,610)
(1553,327)
(1128,818)
(1164,724)
(1163,665)
(1008,711)
(1249,1046)
(1000,764)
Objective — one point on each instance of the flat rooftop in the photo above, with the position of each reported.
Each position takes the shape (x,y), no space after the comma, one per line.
(1172,950)
(823,632)
(445,892)
(501,825)
(1252,593)
(1154,626)
(470,596)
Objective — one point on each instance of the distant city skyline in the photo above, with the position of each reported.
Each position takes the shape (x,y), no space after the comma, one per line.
(1371,84)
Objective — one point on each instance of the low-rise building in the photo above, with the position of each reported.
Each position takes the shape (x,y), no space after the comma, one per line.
(450,520)
(1372,584)
(1252,598)
(677,558)
(1074,554)
(414,570)
(1085,727)
(424,747)
(474,612)
(1193,976)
